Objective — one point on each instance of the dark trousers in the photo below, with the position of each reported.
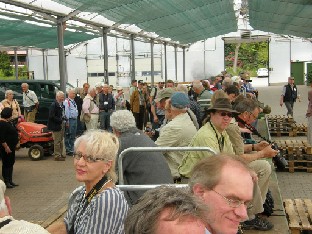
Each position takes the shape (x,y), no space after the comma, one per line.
(8,161)
(105,120)
(139,118)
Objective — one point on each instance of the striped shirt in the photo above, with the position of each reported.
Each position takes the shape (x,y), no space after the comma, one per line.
(106,212)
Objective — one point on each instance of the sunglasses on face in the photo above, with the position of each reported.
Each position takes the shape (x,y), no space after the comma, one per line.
(228,114)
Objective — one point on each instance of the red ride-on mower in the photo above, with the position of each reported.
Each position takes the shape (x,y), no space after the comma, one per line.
(37,138)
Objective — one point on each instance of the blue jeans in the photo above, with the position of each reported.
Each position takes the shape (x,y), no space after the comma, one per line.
(105,120)
(70,135)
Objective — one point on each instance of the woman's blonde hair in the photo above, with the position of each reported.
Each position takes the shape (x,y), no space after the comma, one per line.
(101,144)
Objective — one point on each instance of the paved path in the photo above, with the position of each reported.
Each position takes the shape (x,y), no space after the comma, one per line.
(45,185)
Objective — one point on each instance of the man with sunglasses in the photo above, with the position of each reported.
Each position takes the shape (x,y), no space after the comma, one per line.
(225,184)
(212,135)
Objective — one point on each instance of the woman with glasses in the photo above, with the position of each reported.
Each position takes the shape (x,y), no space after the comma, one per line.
(10,102)
(97,206)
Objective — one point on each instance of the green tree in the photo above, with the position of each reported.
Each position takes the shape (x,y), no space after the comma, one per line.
(5,65)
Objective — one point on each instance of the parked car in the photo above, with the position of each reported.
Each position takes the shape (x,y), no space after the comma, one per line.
(44,89)
(263,72)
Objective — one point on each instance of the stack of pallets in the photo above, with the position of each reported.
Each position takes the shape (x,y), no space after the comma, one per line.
(299,215)
(298,153)
(281,125)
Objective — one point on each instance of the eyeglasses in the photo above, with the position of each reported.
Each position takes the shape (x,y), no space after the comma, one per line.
(228,114)
(87,158)
(231,202)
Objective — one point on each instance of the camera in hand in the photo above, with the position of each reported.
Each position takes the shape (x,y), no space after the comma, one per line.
(279,161)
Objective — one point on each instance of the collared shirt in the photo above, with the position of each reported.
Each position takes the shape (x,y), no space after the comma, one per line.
(177,133)
(235,137)
(207,232)
(71,111)
(29,98)
(205,137)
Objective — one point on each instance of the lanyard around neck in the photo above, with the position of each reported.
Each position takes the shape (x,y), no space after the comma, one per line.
(220,140)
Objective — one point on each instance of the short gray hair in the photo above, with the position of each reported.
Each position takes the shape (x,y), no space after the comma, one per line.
(59,93)
(197,84)
(143,217)
(7,92)
(246,105)
(24,84)
(91,89)
(182,88)
(101,144)
(122,120)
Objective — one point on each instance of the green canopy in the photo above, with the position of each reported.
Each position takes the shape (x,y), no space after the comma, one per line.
(186,21)
(288,17)
(20,34)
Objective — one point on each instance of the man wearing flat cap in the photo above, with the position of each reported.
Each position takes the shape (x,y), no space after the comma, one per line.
(212,135)
(178,132)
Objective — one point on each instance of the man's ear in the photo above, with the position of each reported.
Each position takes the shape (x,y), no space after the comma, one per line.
(199,190)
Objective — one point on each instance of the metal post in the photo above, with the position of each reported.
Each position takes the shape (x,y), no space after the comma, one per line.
(47,65)
(176,62)
(269,62)
(204,59)
(105,31)
(117,63)
(86,45)
(166,73)
(154,149)
(60,38)
(183,64)
(152,63)
(44,65)
(15,63)
(27,63)
(132,58)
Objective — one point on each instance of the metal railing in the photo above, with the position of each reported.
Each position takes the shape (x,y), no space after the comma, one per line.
(151,149)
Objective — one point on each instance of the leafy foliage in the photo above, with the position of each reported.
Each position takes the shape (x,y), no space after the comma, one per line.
(251,56)
(5,66)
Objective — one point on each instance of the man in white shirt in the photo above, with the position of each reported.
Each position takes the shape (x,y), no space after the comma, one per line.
(30,103)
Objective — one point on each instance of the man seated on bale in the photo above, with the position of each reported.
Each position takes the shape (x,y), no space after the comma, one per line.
(178,132)
(249,110)
(167,210)
(225,184)
(138,167)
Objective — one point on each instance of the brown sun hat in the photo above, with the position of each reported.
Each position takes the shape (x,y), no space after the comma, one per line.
(222,104)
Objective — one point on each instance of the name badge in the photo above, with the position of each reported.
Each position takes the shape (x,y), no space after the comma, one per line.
(105,103)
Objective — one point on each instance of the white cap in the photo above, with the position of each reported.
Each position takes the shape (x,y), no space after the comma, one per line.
(236,79)
(98,85)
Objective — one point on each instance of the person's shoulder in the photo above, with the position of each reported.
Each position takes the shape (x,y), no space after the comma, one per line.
(111,195)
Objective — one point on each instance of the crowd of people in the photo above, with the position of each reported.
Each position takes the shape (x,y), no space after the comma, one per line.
(94,125)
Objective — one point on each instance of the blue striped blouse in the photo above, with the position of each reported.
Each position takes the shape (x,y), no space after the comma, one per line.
(106,212)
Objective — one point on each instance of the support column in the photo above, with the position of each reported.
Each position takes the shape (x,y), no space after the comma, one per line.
(27,63)
(60,38)
(132,58)
(183,64)
(176,62)
(152,63)
(44,66)
(166,73)
(105,31)
(15,63)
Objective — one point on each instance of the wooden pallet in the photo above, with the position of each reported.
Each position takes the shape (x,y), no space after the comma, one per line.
(299,214)
(297,165)
(285,126)
(295,149)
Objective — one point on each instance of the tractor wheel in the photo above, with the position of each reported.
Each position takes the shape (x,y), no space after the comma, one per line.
(36,152)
